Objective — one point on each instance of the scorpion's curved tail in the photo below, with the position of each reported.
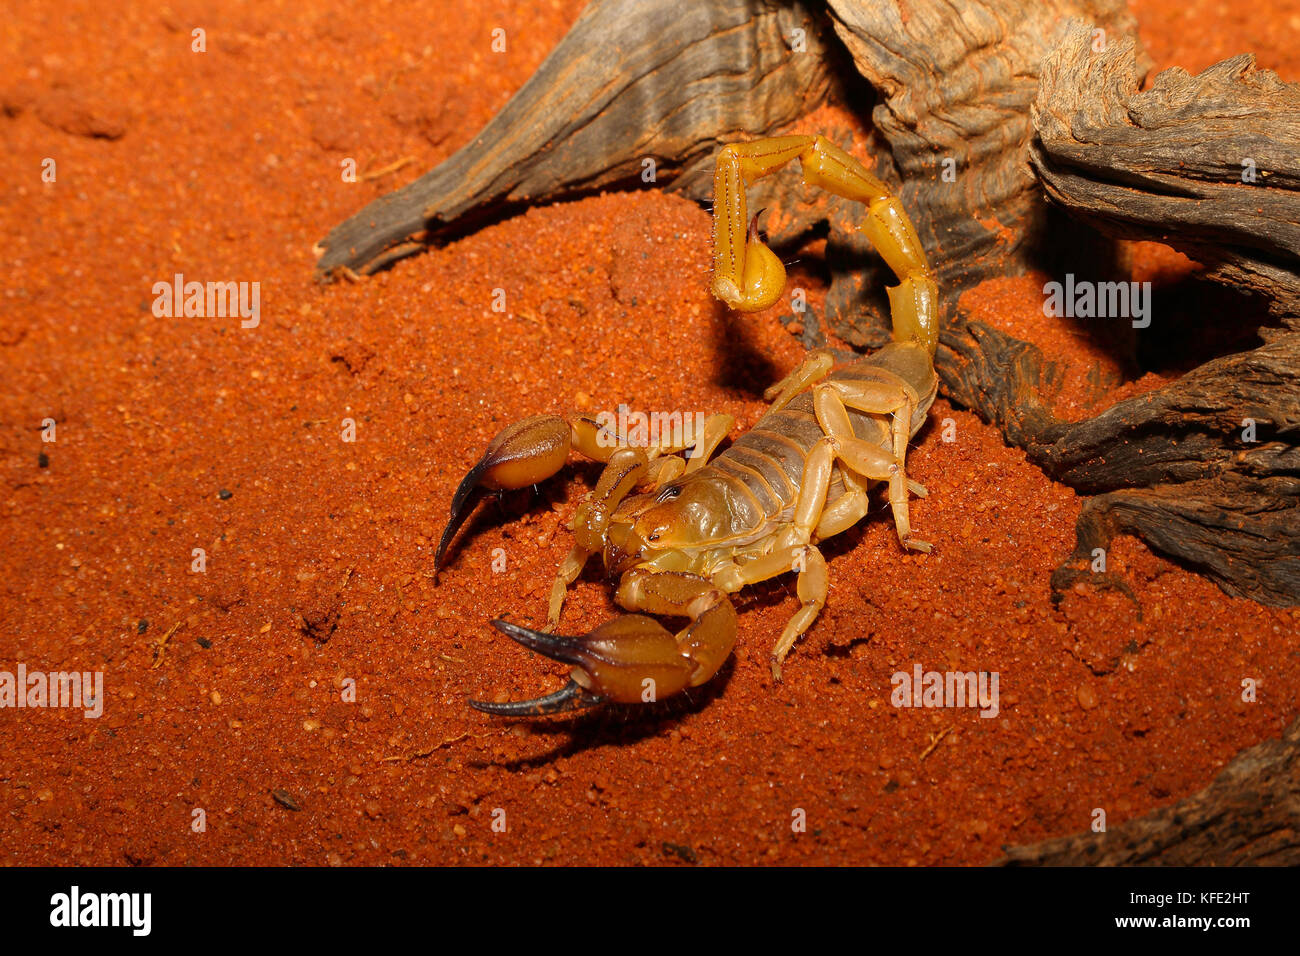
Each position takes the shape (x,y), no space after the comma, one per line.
(748,276)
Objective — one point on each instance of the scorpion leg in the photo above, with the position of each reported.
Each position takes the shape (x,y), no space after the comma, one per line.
(633,658)
(626,468)
(848,510)
(868,460)
(716,428)
(812,585)
(565,575)
(815,367)
(748,276)
(664,469)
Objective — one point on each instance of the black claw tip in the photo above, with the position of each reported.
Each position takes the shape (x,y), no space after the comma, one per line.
(572,696)
(459,512)
(557,647)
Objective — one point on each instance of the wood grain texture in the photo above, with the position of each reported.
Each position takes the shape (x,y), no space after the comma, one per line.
(956,82)
(1170,466)
(1249,816)
(632,80)
(1174,163)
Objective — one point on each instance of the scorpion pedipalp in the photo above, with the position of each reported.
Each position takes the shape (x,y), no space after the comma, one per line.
(572,696)
(630,658)
(525,453)
(520,455)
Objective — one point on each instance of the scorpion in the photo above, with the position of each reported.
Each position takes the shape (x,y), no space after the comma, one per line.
(681,533)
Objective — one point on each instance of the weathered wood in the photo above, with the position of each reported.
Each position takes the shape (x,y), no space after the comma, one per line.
(1207,163)
(1249,815)
(1169,466)
(632,80)
(1173,466)
(693,77)
(956,82)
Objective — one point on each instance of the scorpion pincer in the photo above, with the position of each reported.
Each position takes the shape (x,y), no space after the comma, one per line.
(680,533)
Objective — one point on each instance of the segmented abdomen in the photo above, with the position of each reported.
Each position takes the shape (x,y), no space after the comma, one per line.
(765,465)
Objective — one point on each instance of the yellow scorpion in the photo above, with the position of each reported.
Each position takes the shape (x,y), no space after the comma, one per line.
(700,529)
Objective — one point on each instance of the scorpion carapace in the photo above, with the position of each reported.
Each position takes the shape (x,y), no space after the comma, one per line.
(702,529)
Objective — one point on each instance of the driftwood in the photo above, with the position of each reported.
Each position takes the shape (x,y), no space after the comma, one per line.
(948,93)
(956,83)
(1169,466)
(689,78)
(1249,815)
(1206,164)
(1207,469)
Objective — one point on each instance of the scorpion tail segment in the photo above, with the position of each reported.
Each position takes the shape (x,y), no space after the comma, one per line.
(572,696)
(747,275)
(914,304)
(521,454)
(631,659)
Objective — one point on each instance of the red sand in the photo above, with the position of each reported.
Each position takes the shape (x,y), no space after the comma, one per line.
(225,166)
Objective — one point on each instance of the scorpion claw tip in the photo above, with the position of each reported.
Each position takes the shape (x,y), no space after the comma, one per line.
(555,646)
(460,510)
(572,696)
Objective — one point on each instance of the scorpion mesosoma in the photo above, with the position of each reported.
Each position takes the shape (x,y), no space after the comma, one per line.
(703,529)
